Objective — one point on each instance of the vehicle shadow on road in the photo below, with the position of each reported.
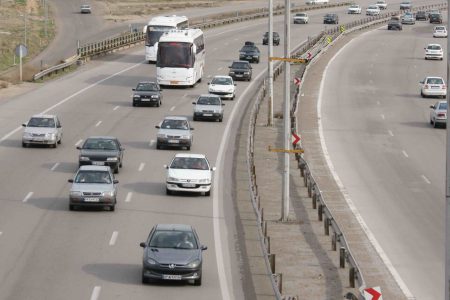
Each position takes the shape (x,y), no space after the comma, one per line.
(118,273)
(147,188)
(138,145)
(417,124)
(67,167)
(50,203)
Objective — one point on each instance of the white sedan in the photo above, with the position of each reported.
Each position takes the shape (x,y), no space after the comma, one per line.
(434,51)
(438,114)
(354,9)
(381,4)
(189,173)
(372,10)
(222,86)
(440,31)
(433,86)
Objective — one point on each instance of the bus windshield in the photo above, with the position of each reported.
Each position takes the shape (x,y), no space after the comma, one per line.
(175,55)
(154,33)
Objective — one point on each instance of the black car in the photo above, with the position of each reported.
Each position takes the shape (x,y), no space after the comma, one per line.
(406,5)
(101,151)
(275,38)
(249,53)
(172,252)
(331,19)
(240,70)
(421,15)
(147,92)
(395,24)
(436,18)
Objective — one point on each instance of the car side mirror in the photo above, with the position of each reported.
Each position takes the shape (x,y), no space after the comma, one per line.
(229,67)
(59,126)
(157,126)
(432,106)
(209,83)
(70,180)
(421,82)
(122,148)
(143,244)
(194,103)
(133,89)
(223,104)
(192,128)
(165,166)
(235,84)
(24,124)
(115,181)
(203,248)
(213,168)
(78,147)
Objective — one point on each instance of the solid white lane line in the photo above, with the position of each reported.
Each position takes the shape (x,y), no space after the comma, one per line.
(390,133)
(54,167)
(172,108)
(116,108)
(141,167)
(74,95)
(27,197)
(96,292)
(128,198)
(98,123)
(382,116)
(78,143)
(426,179)
(405,154)
(113,239)
(151,143)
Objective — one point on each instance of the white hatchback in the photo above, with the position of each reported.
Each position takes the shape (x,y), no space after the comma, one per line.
(354,9)
(372,10)
(222,86)
(434,51)
(438,114)
(440,32)
(189,173)
(433,86)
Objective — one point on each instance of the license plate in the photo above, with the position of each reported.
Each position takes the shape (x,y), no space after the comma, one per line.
(174,141)
(249,57)
(144,99)
(172,277)
(91,199)
(237,75)
(435,87)
(98,163)
(173,82)
(207,115)
(188,184)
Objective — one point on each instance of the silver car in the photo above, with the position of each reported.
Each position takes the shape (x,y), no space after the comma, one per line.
(408,18)
(438,114)
(208,107)
(93,186)
(85,9)
(42,130)
(174,131)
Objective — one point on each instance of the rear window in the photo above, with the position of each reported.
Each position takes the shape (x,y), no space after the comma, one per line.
(443,105)
(435,81)
(434,47)
(240,65)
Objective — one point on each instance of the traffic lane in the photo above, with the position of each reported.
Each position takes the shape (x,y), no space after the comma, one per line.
(395,185)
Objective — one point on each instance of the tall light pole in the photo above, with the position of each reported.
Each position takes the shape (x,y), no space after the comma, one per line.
(270,69)
(24,27)
(447,181)
(287,115)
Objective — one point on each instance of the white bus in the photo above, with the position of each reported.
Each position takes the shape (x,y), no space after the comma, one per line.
(156,27)
(180,58)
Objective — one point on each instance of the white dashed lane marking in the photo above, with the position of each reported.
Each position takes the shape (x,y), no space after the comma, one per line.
(405,154)
(98,123)
(382,116)
(128,197)
(113,239)
(172,108)
(219,69)
(28,196)
(78,143)
(426,179)
(96,292)
(54,167)
(151,143)
(141,167)
(390,133)
(116,108)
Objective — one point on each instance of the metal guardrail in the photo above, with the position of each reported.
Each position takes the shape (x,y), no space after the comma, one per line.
(314,46)
(55,69)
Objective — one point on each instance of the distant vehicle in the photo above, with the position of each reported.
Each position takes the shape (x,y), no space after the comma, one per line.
(93,186)
(331,19)
(421,15)
(440,31)
(354,9)
(434,51)
(240,70)
(222,86)
(438,114)
(181,58)
(408,18)
(172,252)
(433,11)
(406,5)
(101,151)
(174,131)
(436,18)
(372,10)
(312,2)
(85,9)
(249,43)
(249,53)
(156,27)
(275,38)
(147,92)
(189,173)
(395,23)
(381,4)
(301,18)
(209,107)
(433,87)
(42,130)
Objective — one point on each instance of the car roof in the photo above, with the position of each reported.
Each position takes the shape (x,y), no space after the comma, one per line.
(43,116)
(434,77)
(190,155)
(222,76)
(175,118)
(94,168)
(102,137)
(209,95)
(434,45)
(147,81)
(176,227)
(241,61)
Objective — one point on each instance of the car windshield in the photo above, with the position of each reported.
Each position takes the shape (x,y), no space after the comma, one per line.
(221,80)
(354,6)
(240,65)
(435,81)
(328,16)
(147,87)
(41,122)
(249,49)
(175,124)
(443,105)
(175,55)
(434,47)
(100,144)
(208,100)
(195,163)
(300,15)
(173,239)
(98,177)
(373,7)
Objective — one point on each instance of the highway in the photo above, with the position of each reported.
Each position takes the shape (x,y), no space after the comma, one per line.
(47,252)
(387,155)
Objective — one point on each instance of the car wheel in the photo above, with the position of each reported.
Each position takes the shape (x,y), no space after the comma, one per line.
(434,124)
(121,164)
(195,118)
(422,94)
(158,146)
(134,104)
(55,145)
(198,282)
(220,119)
(144,279)
(71,207)
(188,148)
(208,193)
(116,170)
(24,145)
(168,192)
(112,207)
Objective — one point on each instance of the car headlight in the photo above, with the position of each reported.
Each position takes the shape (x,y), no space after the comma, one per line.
(136,96)
(216,111)
(161,135)
(242,53)
(247,73)
(27,135)
(194,264)
(151,261)
(84,158)
(206,180)
(155,96)
(231,72)
(75,193)
(186,137)
(51,136)
(108,194)
(172,179)
(112,159)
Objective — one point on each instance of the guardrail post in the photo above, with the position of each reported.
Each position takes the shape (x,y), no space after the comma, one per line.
(309,188)
(267,243)
(320,211)
(342,257)
(314,201)
(351,275)
(264,229)
(334,241)
(279,277)
(272,263)
(326,226)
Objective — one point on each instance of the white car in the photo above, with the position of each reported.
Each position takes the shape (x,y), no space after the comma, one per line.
(372,10)
(85,9)
(42,130)
(317,2)
(208,107)
(440,31)
(381,4)
(222,86)
(434,51)
(189,173)
(438,114)
(354,9)
(301,18)
(433,87)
